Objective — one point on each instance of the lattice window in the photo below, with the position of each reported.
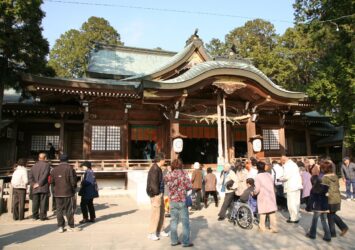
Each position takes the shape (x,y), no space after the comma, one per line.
(106,138)
(40,142)
(271,139)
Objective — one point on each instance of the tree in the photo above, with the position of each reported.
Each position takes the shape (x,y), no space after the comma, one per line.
(22,46)
(330,24)
(70,54)
(294,59)
(256,40)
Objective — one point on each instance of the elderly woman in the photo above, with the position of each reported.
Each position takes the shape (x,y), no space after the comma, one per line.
(88,192)
(266,202)
(19,183)
(196,179)
(229,179)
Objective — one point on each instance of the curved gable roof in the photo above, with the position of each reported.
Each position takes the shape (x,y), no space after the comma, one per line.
(214,68)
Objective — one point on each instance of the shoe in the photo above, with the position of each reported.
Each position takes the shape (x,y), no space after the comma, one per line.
(220,218)
(91,220)
(83,221)
(43,219)
(189,245)
(309,236)
(291,221)
(175,244)
(163,233)
(153,237)
(73,229)
(343,232)
(35,218)
(326,239)
(60,230)
(217,205)
(167,215)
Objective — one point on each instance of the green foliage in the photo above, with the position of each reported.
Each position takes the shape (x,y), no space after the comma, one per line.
(287,60)
(69,56)
(330,25)
(22,47)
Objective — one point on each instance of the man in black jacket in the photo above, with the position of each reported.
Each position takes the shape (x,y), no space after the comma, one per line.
(155,190)
(64,180)
(38,178)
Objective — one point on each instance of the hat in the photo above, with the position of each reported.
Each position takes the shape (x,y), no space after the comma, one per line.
(63,157)
(196,165)
(346,158)
(86,164)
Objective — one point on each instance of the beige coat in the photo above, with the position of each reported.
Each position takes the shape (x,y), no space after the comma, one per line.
(196,179)
(241,181)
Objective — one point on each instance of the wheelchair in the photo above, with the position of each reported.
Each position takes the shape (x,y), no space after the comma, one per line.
(242,215)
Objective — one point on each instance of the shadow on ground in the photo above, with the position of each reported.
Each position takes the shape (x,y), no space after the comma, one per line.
(22,236)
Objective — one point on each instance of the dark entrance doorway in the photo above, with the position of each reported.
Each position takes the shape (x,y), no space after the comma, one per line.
(143,143)
(200,150)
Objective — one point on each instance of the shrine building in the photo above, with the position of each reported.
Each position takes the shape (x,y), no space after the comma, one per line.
(133,101)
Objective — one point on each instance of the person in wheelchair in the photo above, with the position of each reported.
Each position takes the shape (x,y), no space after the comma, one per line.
(249,197)
(244,211)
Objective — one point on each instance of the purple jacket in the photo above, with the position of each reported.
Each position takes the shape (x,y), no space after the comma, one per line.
(306,183)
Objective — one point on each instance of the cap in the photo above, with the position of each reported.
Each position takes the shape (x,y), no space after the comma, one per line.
(63,157)
(86,164)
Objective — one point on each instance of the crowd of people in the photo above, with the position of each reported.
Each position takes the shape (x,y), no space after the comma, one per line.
(266,187)
(57,183)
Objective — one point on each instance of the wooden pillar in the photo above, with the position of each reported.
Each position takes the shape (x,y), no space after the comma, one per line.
(174,130)
(125,141)
(61,137)
(251,132)
(86,135)
(226,158)
(308,142)
(282,140)
(220,159)
(230,141)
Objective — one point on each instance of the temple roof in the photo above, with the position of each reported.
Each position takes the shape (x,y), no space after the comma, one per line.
(235,67)
(126,61)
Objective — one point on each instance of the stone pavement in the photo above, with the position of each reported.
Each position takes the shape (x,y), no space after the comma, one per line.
(121,224)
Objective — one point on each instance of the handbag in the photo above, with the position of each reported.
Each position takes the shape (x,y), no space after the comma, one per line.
(188,201)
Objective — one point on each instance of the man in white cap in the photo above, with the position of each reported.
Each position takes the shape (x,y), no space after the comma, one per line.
(196,181)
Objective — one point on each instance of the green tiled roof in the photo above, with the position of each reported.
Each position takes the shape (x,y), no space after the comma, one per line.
(242,67)
(127,61)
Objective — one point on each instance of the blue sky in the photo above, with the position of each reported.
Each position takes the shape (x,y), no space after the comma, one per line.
(168,30)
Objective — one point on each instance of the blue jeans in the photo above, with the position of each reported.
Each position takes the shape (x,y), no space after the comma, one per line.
(323,219)
(347,184)
(179,212)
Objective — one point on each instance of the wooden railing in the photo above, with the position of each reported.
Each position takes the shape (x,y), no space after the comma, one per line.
(116,165)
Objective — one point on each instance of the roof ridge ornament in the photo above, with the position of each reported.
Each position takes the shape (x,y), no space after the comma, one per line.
(194,38)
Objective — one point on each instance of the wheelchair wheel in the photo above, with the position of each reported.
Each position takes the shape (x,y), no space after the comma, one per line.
(244,217)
